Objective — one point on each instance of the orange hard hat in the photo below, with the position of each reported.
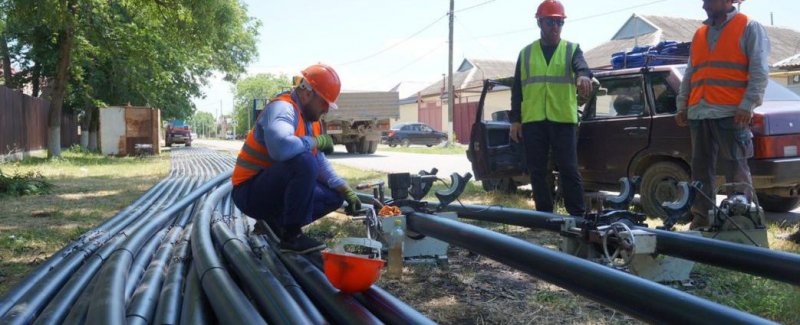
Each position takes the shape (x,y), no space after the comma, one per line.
(351,273)
(324,81)
(550,8)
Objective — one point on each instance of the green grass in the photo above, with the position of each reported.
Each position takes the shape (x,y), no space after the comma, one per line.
(435,150)
(87,189)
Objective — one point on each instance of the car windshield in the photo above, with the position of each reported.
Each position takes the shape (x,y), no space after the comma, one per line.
(774,92)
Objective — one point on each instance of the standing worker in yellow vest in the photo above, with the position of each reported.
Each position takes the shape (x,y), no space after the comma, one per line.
(544,108)
(281,174)
(724,81)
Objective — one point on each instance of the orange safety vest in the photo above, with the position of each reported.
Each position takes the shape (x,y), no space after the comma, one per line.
(254,156)
(720,75)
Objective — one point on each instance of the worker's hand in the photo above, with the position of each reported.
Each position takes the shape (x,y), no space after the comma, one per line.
(324,143)
(584,86)
(681,118)
(353,202)
(516,131)
(742,117)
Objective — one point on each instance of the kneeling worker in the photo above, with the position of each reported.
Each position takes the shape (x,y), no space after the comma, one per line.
(281,175)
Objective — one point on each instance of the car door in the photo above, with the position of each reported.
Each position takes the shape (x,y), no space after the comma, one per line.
(614,128)
(427,134)
(491,152)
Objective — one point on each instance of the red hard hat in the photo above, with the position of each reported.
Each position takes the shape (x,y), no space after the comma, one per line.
(324,81)
(550,8)
(351,273)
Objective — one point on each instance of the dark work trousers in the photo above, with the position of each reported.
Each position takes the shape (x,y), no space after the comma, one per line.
(542,138)
(712,138)
(287,193)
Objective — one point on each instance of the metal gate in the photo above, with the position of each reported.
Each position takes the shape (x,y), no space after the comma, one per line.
(463,117)
(430,113)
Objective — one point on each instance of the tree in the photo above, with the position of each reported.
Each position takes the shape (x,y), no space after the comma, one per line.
(261,86)
(203,123)
(147,53)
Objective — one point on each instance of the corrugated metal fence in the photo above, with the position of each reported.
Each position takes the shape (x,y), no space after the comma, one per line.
(23,123)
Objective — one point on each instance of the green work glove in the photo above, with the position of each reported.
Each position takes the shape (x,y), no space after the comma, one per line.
(324,143)
(353,202)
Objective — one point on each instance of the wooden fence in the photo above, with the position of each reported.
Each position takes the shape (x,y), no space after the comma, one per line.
(23,123)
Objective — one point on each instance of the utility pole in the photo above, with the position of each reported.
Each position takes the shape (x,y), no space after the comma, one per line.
(771,19)
(450,90)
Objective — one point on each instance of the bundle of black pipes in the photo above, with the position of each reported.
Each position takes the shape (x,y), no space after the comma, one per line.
(182,253)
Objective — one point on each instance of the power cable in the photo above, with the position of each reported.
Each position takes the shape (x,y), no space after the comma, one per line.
(474,6)
(395,44)
(572,20)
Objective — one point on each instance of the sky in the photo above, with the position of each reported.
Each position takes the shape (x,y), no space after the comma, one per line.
(377,44)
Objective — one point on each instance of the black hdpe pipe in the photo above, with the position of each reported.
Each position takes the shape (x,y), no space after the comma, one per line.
(171,296)
(270,260)
(142,304)
(271,299)
(228,301)
(195,308)
(76,249)
(776,265)
(341,307)
(381,303)
(640,298)
(64,301)
(108,302)
(61,304)
(145,254)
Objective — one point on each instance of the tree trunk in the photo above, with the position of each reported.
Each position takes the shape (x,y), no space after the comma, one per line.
(36,79)
(9,82)
(65,41)
(94,125)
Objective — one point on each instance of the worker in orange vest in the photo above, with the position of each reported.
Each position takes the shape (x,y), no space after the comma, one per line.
(281,174)
(724,82)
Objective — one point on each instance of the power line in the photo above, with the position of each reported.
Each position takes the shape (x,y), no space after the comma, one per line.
(572,20)
(395,44)
(474,6)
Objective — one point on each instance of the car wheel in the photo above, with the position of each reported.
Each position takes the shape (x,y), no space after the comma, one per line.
(429,145)
(188,144)
(373,146)
(660,184)
(774,203)
(392,144)
(503,185)
(405,143)
(351,147)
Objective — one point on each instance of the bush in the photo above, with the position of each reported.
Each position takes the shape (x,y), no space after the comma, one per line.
(30,183)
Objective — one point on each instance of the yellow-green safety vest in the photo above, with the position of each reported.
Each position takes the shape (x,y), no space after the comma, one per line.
(548,90)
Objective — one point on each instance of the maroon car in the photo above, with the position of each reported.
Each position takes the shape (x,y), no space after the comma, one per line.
(628,129)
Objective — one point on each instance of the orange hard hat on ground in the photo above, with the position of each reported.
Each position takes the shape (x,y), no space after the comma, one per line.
(324,81)
(351,273)
(550,8)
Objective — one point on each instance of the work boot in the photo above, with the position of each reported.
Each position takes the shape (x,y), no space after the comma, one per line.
(268,227)
(300,244)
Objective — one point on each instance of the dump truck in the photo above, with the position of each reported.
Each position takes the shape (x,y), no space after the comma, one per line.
(361,119)
(178,132)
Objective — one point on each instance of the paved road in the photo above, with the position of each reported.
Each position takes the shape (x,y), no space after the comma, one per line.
(382,161)
(394,162)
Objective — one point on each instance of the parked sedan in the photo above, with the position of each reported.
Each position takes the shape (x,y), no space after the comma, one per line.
(413,133)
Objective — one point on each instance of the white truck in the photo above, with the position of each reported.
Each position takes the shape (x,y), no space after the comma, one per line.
(361,118)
